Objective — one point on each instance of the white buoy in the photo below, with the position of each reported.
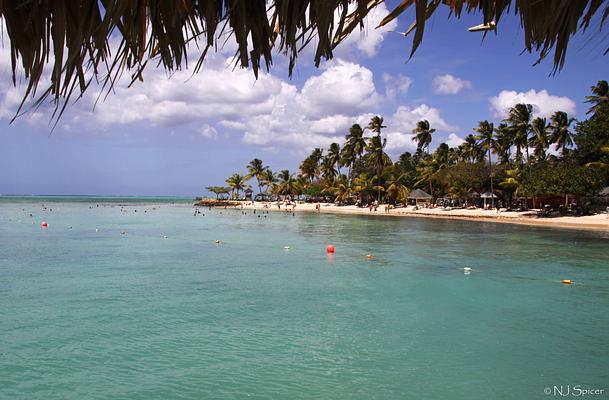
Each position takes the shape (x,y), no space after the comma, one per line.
(96,230)
(164,236)
(467,269)
(286,247)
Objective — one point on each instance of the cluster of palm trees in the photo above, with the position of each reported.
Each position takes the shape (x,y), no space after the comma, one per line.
(362,171)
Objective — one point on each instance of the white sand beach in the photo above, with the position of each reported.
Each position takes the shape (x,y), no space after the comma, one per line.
(591,222)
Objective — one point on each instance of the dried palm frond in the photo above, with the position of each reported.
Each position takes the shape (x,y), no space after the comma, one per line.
(76,33)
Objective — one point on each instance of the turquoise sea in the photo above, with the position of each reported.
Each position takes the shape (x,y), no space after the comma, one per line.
(90,312)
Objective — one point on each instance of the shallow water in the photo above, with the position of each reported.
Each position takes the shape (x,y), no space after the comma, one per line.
(104,315)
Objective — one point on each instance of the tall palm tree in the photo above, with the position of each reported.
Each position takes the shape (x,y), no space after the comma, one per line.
(334,156)
(376,124)
(540,140)
(600,96)
(356,140)
(486,137)
(355,144)
(256,170)
(237,183)
(503,143)
(519,120)
(472,150)
(560,135)
(327,169)
(423,134)
(378,158)
(269,180)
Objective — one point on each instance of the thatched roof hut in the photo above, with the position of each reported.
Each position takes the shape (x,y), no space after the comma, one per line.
(75,36)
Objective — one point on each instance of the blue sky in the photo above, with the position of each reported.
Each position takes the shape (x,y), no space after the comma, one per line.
(176,136)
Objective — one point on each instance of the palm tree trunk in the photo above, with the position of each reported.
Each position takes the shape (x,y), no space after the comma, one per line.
(490,168)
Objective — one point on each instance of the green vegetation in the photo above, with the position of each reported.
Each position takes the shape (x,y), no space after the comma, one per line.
(522,156)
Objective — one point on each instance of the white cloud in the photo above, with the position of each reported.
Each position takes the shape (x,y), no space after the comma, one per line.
(209,132)
(454,140)
(544,104)
(405,118)
(449,84)
(395,85)
(343,87)
(369,41)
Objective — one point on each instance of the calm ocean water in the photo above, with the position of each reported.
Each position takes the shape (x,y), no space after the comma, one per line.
(88,314)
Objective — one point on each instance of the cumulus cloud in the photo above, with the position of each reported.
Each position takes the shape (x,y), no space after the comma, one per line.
(544,104)
(449,84)
(454,140)
(209,132)
(405,118)
(395,85)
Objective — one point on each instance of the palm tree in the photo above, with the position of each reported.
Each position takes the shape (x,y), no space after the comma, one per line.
(365,186)
(269,179)
(378,158)
(334,155)
(540,139)
(599,98)
(327,169)
(423,134)
(256,170)
(519,120)
(354,146)
(561,136)
(236,182)
(376,124)
(503,143)
(471,149)
(396,188)
(486,137)
(288,185)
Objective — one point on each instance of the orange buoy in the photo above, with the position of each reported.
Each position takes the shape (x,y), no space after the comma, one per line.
(369,256)
(567,281)
(330,248)
(44,224)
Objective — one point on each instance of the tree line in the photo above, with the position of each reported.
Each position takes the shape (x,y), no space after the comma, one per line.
(520,156)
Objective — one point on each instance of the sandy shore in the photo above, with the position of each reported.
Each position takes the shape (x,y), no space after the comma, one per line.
(591,222)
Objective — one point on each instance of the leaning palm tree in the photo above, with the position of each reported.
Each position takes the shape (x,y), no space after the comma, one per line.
(519,120)
(599,98)
(423,133)
(256,170)
(540,140)
(561,136)
(378,158)
(486,137)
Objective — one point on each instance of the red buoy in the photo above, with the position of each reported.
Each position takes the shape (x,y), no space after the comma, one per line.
(330,248)
(44,224)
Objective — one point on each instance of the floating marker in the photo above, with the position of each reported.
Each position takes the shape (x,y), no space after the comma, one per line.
(369,256)
(44,224)
(164,236)
(286,247)
(567,281)
(330,249)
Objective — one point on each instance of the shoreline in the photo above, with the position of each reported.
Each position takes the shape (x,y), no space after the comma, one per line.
(598,222)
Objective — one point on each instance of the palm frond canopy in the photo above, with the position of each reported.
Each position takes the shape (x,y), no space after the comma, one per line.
(76,35)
